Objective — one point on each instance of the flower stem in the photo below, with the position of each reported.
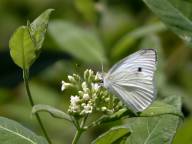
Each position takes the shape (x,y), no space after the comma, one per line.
(25,77)
(77,136)
(80,130)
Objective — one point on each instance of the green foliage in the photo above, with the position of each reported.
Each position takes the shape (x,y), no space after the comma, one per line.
(131,38)
(153,130)
(38,29)
(156,124)
(176,14)
(87,9)
(25,45)
(156,129)
(53,111)
(93,33)
(22,48)
(12,132)
(183,134)
(170,105)
(114,135)
(26,42)
(82,44)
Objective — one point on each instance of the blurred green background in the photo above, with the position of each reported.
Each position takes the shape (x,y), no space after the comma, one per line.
(85,34)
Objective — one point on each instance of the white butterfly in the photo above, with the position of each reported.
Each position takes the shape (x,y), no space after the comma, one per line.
(132,79)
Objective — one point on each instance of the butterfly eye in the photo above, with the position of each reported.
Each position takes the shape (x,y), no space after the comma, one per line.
(139,69)
(101,81)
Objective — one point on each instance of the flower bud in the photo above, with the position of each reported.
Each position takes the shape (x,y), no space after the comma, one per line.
(74,100)
(90,72)
(86,97)
(98,77)
(103,108)
(81,93)
(71,79)
(88,109)
(83,104)
(65,85)
(95,86)
(86,74)
(84,85)
(76,77)
(107,99)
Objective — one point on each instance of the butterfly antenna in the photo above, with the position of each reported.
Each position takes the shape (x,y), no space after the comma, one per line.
(101,73)
(102,68)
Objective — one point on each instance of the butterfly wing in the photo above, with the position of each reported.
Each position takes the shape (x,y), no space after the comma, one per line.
(132,79)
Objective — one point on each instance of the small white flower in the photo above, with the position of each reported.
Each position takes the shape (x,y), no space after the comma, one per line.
(95,86)
(90,72)
(98,76)
(87,109)
(107,99)
(71,78)
(94,96)
(74,100)
(83,104)
(74,108)
(64,85)
(86,90)
(76,77)
(84,86)
(110,111)
(86,97)
(81,93)
(103,108)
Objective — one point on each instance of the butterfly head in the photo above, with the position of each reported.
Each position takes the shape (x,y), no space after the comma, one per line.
(102,79)
(99,77)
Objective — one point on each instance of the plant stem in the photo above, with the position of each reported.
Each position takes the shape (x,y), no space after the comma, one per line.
(25,77)
(77,136)
(80,130)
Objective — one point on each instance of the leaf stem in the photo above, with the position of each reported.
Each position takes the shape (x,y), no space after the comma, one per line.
(26,77)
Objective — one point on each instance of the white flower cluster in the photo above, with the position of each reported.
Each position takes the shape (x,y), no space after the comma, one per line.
(90,95)
(74,103)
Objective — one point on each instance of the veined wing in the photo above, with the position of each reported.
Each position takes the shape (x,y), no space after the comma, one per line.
(132,79)
(136,96)
(145,58)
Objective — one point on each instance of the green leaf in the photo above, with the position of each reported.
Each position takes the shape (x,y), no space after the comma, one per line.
(152,130)
(170,105)
(114,135)
(183,135)
(108,118)
(157,124)
(160,108)
(26,42)
(130,38)
(12,132)
(39,28)
(174,100)
(87,9)
(22,48)
(77,41)
(51,110)
(176,14)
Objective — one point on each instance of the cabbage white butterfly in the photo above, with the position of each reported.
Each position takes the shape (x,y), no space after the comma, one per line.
(132,79)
